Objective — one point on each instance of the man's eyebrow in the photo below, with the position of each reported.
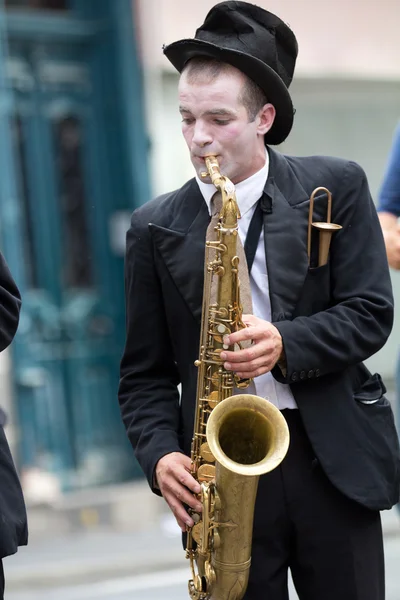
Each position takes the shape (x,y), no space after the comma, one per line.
(214,112)
(220,112)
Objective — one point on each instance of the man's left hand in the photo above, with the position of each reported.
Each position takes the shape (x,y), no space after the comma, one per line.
(261,356)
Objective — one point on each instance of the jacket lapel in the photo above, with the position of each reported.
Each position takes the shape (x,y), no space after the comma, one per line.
(285,236)
(182,244)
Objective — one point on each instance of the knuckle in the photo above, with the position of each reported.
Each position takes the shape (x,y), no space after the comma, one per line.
(172,504)
(170,484)
(179,495)
(166,488)
(247,355)
(182,478)
(175,506)
(168,468)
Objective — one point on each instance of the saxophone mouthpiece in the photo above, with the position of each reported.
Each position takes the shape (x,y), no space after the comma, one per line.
(211,164)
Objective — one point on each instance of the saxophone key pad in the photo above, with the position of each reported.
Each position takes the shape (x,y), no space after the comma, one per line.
(206,473)
(206,453)
(197,532)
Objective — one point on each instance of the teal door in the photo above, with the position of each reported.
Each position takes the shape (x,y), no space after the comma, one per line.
(72,214)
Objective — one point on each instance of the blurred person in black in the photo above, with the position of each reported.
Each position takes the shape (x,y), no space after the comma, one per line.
(318,512)
(13,520)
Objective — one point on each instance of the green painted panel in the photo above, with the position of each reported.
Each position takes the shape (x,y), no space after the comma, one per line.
(71,180)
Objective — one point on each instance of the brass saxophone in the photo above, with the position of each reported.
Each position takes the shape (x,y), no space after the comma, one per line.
(236,437)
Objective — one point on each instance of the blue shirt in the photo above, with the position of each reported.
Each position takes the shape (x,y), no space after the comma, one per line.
(389,195)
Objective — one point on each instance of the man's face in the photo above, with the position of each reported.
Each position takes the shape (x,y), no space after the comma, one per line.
(215,122)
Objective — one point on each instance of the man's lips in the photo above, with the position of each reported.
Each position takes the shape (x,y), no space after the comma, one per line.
(203,158)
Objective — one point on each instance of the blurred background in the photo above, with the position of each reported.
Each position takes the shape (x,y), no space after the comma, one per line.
(89,130)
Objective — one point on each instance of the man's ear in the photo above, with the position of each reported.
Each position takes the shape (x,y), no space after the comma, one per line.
(266,118)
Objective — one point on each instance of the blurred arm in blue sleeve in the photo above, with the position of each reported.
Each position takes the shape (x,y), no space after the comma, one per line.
(389,203)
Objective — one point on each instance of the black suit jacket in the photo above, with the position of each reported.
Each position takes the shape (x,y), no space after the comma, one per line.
(331,318)
(13,522)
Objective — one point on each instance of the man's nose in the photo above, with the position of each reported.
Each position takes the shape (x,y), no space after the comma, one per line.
(201,135)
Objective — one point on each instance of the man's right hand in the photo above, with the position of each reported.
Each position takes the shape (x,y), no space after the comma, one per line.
(178,487)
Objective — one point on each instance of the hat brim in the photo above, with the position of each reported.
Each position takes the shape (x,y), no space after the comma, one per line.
(178,53)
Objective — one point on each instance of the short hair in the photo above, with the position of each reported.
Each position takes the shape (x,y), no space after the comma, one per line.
(252,96)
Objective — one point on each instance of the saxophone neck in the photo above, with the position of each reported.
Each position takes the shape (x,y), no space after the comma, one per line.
(223,184)
(214,172)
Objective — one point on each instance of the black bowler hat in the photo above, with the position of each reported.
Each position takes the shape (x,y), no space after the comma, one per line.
(255,41)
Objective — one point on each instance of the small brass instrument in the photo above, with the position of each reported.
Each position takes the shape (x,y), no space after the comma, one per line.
(326,230)
(236,437)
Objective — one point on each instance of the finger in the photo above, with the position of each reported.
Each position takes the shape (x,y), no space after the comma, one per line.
(244,373)
(252,374)
(253,332)
(182,525)
(183,495)
(179,470)
(247,333)
(255,352)
(188,481)
(180,513)
(253,365)
(249,319)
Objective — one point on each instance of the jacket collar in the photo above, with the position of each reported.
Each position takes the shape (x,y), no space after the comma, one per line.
(182,243)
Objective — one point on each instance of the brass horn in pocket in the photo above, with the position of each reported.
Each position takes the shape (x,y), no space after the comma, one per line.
(326,230)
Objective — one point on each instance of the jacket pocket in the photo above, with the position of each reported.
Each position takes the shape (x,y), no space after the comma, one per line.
(372,391)
(316,293)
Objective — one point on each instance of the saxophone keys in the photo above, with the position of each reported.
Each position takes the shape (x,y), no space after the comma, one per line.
(206,453)
(219,331)
(213,399)
(216,539)
(195,516)
(197,534)
(216,501)
(210,576)
(206,473)
(195,588)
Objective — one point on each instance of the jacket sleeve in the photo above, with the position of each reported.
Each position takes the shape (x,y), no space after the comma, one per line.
(10,304)
(148,394)
(359,318)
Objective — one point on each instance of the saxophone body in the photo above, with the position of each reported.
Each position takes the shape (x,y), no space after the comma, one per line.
(237,437)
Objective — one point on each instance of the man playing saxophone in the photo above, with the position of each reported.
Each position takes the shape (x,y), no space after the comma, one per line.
(312,326)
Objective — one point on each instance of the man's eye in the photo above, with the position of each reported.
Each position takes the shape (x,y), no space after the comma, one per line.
(187,121)
(221,121)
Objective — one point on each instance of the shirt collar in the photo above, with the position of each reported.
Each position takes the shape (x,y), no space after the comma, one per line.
(248,192)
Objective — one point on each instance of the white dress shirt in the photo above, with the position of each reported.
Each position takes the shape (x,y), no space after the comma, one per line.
(248,192)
